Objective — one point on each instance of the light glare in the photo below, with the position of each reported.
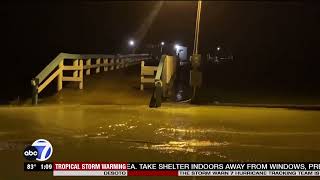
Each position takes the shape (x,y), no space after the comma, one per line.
(131,43)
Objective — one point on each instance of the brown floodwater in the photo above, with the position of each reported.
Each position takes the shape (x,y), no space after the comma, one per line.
(111,121)
(174,132)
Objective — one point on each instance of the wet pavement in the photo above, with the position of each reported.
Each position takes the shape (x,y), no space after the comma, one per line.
(122,129)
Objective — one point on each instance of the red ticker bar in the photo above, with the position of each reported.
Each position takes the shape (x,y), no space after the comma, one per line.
(89,166)
(176,169)
(152,173)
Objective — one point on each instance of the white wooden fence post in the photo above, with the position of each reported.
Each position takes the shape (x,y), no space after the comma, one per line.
(141,85)
(98,63)
(112,64)
(60,76)
(117,62)
(75,72)
(88,63)
(105,66)
(81,74)
(122,62)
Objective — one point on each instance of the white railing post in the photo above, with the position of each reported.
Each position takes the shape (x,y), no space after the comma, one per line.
(88,63)
(117,62)
(122,63)
(81,74)
(112,64)
(105,64)
(126,63)
(60,76)
(35,85)
(142,77)
(75,72)
(98,63)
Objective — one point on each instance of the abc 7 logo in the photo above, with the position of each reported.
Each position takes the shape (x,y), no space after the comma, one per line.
(40,150)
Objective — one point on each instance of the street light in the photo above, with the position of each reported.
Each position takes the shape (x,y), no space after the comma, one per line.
(177,48)
(131,43)
(161,48)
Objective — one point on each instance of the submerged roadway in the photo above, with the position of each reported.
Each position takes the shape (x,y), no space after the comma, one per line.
(111,121)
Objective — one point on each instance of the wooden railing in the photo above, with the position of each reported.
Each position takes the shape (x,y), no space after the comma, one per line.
(97,62)
(163,79)
(147,74)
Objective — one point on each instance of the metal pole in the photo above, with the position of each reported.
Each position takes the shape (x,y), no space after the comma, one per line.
(195,72)
(35,84)
(197,28)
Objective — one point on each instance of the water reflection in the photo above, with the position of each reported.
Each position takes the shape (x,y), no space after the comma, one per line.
(187,146)
(176,131)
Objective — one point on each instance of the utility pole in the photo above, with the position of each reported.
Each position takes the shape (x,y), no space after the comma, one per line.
(195,72)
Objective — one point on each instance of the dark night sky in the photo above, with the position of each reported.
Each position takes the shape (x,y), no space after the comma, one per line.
(273,42)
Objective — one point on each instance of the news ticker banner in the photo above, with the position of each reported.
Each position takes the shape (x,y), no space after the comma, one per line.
(174,169)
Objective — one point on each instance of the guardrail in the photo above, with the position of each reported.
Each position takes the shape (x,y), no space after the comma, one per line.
(92,61)
(164,77)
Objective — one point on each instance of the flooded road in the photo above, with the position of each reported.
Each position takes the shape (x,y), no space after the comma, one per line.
(174,132)
(111,121)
